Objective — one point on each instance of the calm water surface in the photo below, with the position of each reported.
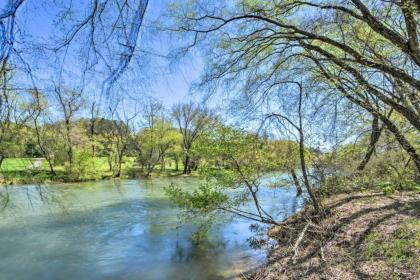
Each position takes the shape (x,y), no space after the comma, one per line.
(121,230)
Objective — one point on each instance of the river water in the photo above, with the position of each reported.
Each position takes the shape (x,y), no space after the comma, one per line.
(122,230)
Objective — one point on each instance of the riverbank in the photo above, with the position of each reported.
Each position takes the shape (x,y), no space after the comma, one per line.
(18,171)
(364,236)
(22,177)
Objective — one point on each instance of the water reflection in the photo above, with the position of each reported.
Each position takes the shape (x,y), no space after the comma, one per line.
(127,230)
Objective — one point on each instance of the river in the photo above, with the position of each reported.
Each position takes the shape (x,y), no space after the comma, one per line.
(122,230)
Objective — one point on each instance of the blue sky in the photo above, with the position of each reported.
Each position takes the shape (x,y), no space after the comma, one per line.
(168,83)
(172,82)
(159,78)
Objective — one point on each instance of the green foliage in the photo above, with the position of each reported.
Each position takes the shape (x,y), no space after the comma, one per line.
(388,188)
(13,139)
(399,248)
(204,199)
(155,142)
(409,185)
(234,156)
(199,203)
(85,166)
(389,168)
(233,164)
(201,233)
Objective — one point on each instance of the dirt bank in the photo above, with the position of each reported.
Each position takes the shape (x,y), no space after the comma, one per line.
(364,236)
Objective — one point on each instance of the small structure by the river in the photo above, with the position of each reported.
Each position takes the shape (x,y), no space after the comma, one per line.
(37,163)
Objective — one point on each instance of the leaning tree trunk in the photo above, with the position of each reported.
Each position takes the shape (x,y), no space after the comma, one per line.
(315,201)
(402,141)
(51,165)
(374,138)
(411,151)
(296,182)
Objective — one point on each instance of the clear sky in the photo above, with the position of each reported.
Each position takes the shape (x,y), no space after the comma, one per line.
(166,82)
(172,82)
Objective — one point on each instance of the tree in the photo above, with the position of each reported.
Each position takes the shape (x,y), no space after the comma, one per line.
(191,119)
(70,102)
(246,160)
(94,112)
(156,138)
(356,49)
(298,126)
(13,118)
(122,132)
(43,133)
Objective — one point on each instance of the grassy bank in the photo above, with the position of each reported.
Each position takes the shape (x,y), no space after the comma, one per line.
(364,236)
(20,171)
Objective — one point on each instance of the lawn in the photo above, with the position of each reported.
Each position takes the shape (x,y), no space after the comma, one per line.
(21,171)
(19,164)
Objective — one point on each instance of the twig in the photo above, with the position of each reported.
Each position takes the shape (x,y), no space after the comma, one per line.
(321,252)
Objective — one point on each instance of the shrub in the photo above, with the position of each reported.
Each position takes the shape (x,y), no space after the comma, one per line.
(85,166)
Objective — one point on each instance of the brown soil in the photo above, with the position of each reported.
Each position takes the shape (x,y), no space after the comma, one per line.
(335,247)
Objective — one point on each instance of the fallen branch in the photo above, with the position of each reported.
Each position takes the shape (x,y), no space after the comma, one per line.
(297,243)
(321,253)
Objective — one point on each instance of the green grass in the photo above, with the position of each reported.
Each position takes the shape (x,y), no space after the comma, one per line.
(399,248)
(17,164)
(26,164)
(21,171)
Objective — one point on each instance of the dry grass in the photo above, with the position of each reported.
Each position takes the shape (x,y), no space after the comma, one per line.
(364,236)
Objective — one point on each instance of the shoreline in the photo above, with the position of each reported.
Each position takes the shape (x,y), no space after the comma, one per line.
(366,235)
(45,177)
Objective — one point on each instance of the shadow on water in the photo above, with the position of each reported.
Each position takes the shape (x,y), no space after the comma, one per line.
(128,231)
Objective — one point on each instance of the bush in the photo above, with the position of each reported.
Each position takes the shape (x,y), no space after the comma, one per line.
(85,166)
(388,188)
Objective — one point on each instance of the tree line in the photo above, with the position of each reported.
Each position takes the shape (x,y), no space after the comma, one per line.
(66,130)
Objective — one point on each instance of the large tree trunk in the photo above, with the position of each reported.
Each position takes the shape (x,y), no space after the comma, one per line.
(187,168)
(119,165)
